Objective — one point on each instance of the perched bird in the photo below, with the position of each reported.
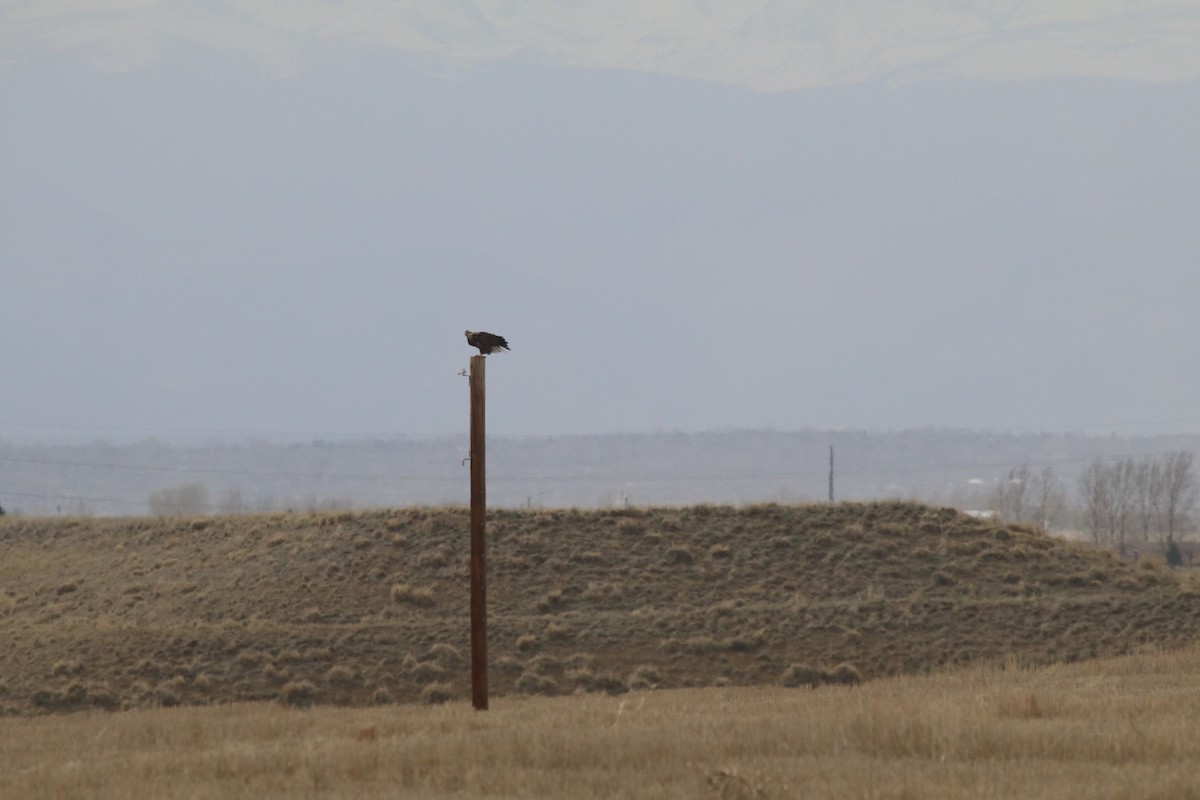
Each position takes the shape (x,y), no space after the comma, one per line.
(486,342)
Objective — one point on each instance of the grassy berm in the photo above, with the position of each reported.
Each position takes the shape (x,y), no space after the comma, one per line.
(360,608)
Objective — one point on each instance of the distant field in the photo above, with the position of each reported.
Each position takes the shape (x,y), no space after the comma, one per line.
(1104,729)
(370,608)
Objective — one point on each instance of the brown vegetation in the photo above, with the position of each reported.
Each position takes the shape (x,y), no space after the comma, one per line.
(358,608)
(1104,729)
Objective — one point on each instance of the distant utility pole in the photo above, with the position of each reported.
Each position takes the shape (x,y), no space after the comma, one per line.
(479,685)
(830,473)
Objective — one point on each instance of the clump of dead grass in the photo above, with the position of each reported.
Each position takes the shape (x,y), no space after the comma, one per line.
(416,596)
(437,693)
(341,676)
(729,784)
(645,676)
(532,683)
(301,694)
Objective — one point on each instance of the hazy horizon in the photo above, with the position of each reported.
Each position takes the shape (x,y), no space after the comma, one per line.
(277,221)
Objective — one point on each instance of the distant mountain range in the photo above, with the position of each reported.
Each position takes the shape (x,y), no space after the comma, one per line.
(767,45)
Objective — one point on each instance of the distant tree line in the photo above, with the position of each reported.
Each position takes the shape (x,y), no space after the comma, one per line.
(1151,499)
(1025,496)
(188,500)
(193,500)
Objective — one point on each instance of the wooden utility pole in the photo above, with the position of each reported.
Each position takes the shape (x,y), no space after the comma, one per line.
(479,685)
(831,473)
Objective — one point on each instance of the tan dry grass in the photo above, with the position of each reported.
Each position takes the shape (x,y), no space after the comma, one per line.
(1119,728)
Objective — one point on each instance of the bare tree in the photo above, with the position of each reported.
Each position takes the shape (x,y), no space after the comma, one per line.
(188,500)
(1179,491)
(1023,496)
(1049,498)
(1124,489)
(232,502)
(1148,491)
(1095,490)
(1008,498)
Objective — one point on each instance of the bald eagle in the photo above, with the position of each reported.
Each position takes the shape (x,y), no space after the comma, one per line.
(486,342)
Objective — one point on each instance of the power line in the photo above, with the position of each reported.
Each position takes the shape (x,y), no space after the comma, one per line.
(613,476)
(73,498)
(210,470)
(248,432)
(359,435)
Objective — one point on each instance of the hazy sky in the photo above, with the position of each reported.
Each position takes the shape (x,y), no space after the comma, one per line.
(263,218)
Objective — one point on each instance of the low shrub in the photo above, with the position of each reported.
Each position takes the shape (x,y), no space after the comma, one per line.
(301,694)
(437,693)
(340,675)
(532,683)
(427,671)
(803,675)
(610,684)
(845,674)
(644,677)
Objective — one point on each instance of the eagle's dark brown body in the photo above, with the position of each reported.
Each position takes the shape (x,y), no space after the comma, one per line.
(486,342)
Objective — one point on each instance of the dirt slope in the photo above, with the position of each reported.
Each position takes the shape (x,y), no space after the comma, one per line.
(371,607)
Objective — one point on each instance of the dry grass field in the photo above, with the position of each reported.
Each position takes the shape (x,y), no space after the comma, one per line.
(1116,728)
(370,608)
